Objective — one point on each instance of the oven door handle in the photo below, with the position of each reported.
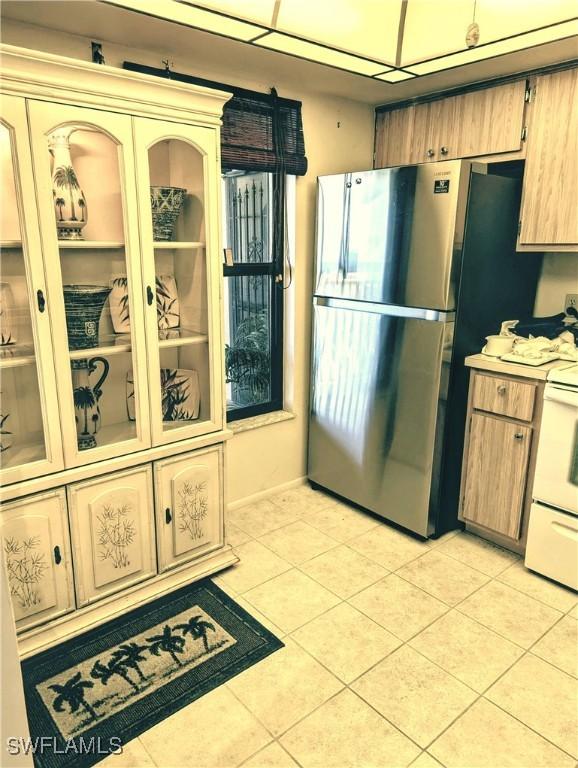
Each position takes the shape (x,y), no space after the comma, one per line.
(564,396)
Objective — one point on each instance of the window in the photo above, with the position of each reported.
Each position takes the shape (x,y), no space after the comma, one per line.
(253,293)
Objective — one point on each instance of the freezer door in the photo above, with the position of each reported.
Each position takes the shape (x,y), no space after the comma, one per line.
(392,235)
(379,389)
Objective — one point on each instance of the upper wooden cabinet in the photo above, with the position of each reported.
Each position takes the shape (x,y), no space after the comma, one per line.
(483,122)
(548,219)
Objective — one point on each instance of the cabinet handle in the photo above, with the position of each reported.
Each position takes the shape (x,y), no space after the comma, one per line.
(57,555)
(444,150)
(502,389)
(518,436)
(168,516)
(150,295)
(41,300)
(430,153)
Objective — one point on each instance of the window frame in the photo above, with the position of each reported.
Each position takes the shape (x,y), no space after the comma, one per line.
(274,270)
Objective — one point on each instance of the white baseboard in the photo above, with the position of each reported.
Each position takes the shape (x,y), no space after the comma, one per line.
(266,493)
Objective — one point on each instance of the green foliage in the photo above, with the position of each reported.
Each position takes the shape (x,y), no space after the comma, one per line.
(248,359)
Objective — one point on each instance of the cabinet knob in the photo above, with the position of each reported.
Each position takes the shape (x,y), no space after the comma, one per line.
(348,184)
(502,389)
(430,153)
(168,516)
(444,150)
(518,436)
(358,181)
(57,555)
(150,295)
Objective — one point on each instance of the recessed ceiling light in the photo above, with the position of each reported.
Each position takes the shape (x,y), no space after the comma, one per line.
(395,77)
(319,53)
(191,16)
(499,48)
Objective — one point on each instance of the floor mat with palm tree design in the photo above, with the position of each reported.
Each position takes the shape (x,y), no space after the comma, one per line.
(121,678)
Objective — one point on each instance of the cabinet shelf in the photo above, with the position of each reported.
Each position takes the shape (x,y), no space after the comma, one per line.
(170,245)
(10,244)
(178,337)
(21,454)
(16,355)
(83,245)
(107,346)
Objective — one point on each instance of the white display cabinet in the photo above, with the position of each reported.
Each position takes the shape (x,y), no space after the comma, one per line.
(111,358)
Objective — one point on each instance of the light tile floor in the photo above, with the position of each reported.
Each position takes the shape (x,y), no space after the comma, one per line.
(397,652)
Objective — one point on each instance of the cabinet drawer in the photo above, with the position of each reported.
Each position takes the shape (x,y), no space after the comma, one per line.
(506,397)
(189,506)
(36,549)
(112,526)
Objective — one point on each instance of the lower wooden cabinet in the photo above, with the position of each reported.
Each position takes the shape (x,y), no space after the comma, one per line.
(189,507)
(502,427)
(497,462)
(111,522)
(36,548)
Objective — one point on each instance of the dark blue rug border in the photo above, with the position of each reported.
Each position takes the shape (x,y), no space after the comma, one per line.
(254,642)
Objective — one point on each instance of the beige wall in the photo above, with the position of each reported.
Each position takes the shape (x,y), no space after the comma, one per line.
(338,137)
(559,277)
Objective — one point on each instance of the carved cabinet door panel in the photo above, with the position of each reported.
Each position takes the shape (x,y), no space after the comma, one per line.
(111,521)
(36,550)
(189,506)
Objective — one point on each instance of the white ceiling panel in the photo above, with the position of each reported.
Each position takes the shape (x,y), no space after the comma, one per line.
(365,27)
(259,11)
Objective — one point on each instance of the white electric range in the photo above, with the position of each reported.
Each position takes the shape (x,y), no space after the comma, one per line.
(552,545)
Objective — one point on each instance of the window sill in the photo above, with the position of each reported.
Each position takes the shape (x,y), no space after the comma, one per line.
(263,420)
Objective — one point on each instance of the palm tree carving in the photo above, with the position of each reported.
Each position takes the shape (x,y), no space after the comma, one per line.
(72,693)
(131,655)
(167,643)
(197,627)
(82,206)
(115,666)
(65,176)
(59,202)
(84,398)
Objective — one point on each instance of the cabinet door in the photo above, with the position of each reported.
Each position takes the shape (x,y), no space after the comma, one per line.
(189,506)
(179,184)
(30,441)
(550,191)
(36,551)
(393,137)
(496,471)
(111,520)
(491,120)
(84,168)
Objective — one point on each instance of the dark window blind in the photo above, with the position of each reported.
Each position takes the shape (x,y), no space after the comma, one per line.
(261,131)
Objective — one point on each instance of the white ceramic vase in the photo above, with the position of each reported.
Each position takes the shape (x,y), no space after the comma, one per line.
(70,206)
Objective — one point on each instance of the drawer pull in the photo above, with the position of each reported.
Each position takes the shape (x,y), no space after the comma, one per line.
(168,516)
(57,555)
(41,300)
(502,389)
(518,436)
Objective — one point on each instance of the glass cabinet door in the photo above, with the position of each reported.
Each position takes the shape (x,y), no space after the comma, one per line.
(177,180)
(30,441)
(84,169)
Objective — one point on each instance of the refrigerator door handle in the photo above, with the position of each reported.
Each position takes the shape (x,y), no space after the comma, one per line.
(417,313)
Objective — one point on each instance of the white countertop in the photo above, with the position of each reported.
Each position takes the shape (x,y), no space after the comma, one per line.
(494,364)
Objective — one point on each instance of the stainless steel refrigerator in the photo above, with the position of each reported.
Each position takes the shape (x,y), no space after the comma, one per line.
(414,266)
